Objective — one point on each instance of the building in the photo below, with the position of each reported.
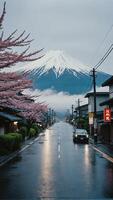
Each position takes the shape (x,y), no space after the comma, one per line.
(81,116)
(107,127)
(100,97)
(82,110)
(9,120)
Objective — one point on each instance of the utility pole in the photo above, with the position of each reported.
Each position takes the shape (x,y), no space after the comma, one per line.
(79,111)
(95,104)
(50,119)
(54,117)
(52,111)
(47,119)
(94,88)
(72,111)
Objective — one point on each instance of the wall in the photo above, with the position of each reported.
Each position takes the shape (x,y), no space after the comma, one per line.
(99,100)
(111,91)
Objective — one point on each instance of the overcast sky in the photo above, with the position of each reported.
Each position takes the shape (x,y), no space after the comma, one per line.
(75,26)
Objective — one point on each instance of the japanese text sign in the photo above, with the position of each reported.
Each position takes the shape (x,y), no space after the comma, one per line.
(107,115)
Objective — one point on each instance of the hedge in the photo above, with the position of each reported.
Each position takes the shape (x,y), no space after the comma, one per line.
(32,132)
(34,126)
(24,131)
(10,142)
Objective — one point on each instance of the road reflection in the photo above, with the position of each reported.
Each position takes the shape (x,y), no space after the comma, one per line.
(86,157)
(47,187)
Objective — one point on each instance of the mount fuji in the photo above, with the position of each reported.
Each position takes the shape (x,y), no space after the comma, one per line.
(59,72)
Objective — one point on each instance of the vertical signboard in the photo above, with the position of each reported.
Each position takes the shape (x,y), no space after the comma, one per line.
(91,118)
(107,115)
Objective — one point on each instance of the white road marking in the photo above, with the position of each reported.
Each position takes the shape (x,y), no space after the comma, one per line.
(24,148)
(16,153)
(4,162)
(13,156)
(104,154)
(59,147)
(31,143)
(59,156)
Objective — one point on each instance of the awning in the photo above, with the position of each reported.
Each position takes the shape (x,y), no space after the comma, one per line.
(108,102)
(10,117)
(89,94)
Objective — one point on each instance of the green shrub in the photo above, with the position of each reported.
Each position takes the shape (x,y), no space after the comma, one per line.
(17,140)
(23,130)
(10,142)
(32,132)
(34,126)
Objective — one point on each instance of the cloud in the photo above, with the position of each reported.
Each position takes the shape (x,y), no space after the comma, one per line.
(58,101)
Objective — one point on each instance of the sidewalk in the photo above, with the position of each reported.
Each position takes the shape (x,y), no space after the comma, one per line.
(105,148)
(6,158)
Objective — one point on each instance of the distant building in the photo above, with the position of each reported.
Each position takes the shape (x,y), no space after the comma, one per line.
(82,110)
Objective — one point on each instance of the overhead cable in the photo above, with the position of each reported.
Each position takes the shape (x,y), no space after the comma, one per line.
(104,57)
(102,42)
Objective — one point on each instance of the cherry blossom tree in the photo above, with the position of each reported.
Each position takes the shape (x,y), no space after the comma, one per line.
(12,84)
(8,56)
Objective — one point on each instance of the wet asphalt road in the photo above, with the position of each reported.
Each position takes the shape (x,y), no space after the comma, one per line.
(55,168)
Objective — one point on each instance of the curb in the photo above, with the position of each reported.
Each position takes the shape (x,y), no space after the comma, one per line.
(104,155)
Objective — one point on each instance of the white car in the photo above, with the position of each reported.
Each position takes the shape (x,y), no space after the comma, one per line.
(80,136)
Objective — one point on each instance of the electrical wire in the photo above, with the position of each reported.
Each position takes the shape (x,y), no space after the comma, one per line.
(102,42)
(104,57)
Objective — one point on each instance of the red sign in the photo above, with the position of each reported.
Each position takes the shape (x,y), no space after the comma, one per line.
(107,115)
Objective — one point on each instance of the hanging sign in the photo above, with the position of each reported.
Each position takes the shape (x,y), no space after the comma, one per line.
(91,118)
(107,115)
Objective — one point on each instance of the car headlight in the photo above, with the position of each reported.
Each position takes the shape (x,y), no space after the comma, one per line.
(76,135)
(87,135)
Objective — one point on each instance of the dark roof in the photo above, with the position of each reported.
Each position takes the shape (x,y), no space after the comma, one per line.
(108,82)
(10,117)
(107,102)
(97,94)
(8,109)
(85,106)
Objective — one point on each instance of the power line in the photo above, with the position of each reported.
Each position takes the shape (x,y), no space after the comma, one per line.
(106,35)
(102,42)
(94,84)
(94,88)
(104,57)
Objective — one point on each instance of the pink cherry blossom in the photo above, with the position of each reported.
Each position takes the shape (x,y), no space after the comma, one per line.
(13,84)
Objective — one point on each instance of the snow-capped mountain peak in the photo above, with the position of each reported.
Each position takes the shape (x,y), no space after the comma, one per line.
(55,60)
(58,62)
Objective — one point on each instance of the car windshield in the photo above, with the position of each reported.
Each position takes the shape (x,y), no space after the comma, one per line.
(81,131)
